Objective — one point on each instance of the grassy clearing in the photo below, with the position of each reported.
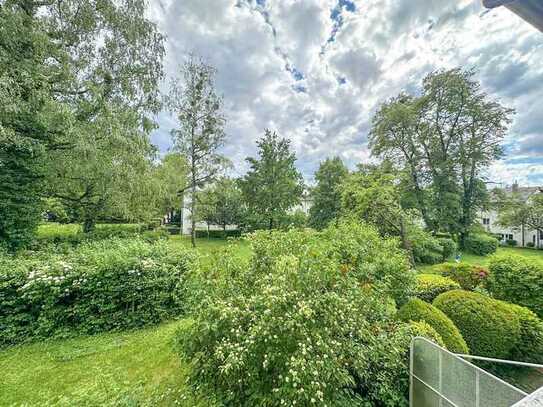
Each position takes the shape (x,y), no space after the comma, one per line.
(211,246)
(484,260)
(121,369)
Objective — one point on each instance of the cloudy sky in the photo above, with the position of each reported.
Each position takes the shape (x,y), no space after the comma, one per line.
(316,70)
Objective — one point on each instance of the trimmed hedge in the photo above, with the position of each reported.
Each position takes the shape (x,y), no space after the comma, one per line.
(529,347)
(517,279)
(217,234)
(481,244)
(101,286)
(418,310)
(489,327)
(429,286)
(468,276)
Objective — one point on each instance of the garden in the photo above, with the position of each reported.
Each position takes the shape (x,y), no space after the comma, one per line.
(134,318)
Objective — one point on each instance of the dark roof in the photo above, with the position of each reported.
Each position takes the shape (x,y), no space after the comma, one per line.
(529,10)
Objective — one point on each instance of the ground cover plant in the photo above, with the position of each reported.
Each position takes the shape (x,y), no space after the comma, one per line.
(99,286)
(311,318)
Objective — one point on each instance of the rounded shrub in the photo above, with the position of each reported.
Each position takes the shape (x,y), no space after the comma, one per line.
(529,347)
(417,310)
(468,276)
(429,286)
(517,279)
(489,327)
(421,328)
(481,244)
(448,247)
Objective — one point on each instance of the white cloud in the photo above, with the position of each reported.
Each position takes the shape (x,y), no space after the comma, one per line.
(278,69)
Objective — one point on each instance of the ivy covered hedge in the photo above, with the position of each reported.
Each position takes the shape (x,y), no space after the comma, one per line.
(100,286)
(309,320)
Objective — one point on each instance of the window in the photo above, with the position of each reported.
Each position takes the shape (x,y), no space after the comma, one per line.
(486,221)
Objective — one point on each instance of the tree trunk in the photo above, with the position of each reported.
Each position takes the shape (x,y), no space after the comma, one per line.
(207,230)
(271,224)
(88,224)
(193,217)
(522,231)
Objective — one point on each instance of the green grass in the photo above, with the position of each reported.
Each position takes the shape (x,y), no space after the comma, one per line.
(211,246)
(484,260)
(122,369)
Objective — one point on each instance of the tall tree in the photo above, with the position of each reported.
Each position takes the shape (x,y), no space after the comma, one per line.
(522,213)
(171,176)
(200,135)
(273,185)
(445,139)
(326,195)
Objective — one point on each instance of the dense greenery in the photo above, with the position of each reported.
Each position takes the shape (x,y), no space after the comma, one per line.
(326,195)
(489,327)
(309,320)
(418,310)
(518,280)
(529,347)
(429,286)
(100,286)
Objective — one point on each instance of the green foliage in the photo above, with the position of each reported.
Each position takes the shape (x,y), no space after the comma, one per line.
(273,185)
(221,203)
(448,247)
(481,244)
(426,248)
(518,280)
(511,242)
(418,310)
(100,286)
(424,329)
(529,348)
(307,321)
(326,195)
(217,234)
(489,327)
(429,286)
(467,275)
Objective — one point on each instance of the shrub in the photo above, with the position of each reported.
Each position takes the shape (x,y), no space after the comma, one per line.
(217,234)
(517,279)
(101,286)
(152,236)
(468,276)
(529,347)
(511,242)
(308,322)
(426,249)
(481,244)
(429,286)
(418,310)
(416,329)
(530,244)
(488,326)
(448,247)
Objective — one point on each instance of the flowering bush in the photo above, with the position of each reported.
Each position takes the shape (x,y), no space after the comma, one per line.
(467,275)
(101,286)
(311,321)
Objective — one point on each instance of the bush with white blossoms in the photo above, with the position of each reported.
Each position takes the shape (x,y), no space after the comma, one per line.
(101,286)
(310,322)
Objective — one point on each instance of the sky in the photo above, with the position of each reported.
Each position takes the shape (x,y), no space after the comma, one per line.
(315,71)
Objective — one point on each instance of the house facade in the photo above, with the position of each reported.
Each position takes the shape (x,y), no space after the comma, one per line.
(524,236)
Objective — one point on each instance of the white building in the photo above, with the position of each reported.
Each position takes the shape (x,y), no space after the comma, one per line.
(522,235)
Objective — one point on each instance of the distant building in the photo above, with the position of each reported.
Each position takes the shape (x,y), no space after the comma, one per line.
(523,236)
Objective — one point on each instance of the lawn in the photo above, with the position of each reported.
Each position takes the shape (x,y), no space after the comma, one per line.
(484,260)
(211,246)
(121,369)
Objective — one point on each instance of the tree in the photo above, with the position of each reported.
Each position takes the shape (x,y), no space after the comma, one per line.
(326,195)
(445,139)
(518,212)
(200,135)
(171,175)
(273,185)
(66,69)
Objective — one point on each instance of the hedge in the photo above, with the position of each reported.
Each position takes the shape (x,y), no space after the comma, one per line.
(217,234)
(489,327)
(517,279)
(418,310)
(429,286)
(100,286)
(468,276)
(481,244)
(529,347)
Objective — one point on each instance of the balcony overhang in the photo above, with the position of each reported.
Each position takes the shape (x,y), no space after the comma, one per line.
(529,10)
